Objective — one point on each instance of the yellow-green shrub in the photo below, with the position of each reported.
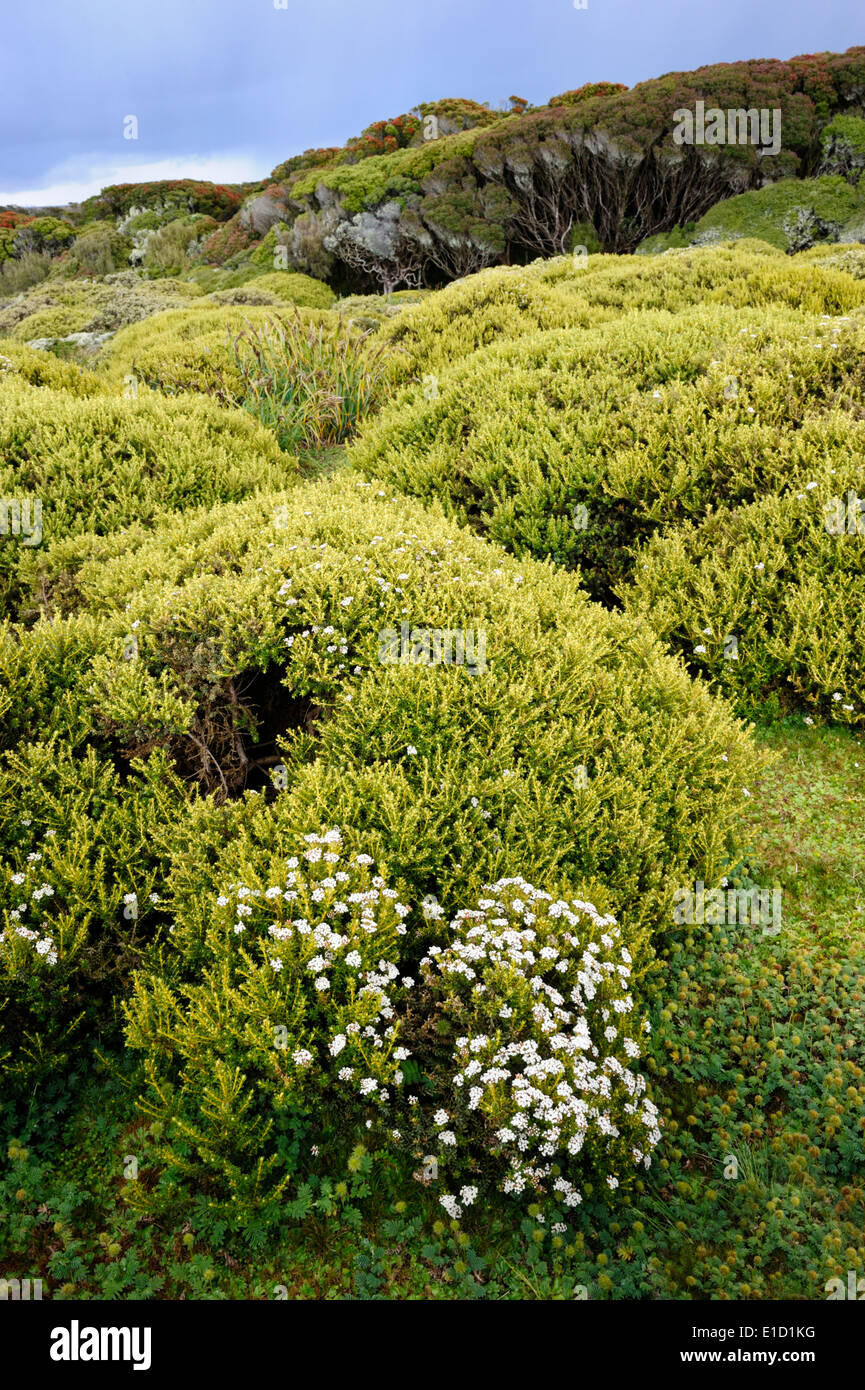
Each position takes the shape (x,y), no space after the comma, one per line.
(294,288)
(849,258)
(640,422)
(100,463)
(570,291)
(59,307)
(287,596)
(44,369)
(765,602)
(278,1030)
(370,311)
(218,640)
(743,275)
(473,313)
(81,863)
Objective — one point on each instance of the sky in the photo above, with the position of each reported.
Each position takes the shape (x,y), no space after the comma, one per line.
(227,89)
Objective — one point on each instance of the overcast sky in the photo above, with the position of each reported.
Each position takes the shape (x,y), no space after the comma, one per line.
(226,89)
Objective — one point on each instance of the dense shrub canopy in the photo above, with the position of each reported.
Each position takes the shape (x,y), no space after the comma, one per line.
(606,157)
(280,585)
(585,444)
(664,419)
(100,462)
(763,599)
(509,304)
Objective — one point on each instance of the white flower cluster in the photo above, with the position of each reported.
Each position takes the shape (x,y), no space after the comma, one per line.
(338,641)
(341,946)
(548,1065)
(42,945)
(39,940)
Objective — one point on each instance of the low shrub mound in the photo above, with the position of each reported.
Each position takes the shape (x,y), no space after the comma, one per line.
(745,274)
(583,291)
(240,670)
(791,214)
(59,307)
(316,967)
(847,257)
(294,288)
(474,313)
(580,445)
(190,349)
(765,601)
(100,463)
(370,311)
(82,850)
(44,369)
(270,633)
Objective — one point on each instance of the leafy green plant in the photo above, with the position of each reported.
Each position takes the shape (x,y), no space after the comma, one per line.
(309,385)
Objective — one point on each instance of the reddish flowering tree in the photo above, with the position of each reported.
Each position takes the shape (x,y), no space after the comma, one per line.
(216,200)
(10,219)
